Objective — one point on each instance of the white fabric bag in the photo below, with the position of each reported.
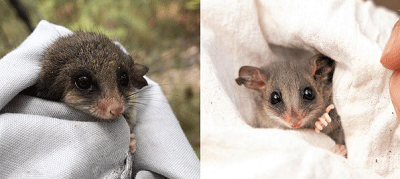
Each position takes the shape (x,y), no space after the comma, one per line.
(351,32)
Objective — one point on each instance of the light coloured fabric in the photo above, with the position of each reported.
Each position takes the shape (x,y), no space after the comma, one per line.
(46,139)
(352,32)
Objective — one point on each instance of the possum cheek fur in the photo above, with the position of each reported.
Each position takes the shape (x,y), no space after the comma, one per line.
(108,106)
(107,94)
(100,98)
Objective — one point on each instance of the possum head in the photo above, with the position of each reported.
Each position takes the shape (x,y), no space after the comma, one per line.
(89,72)
(290,94)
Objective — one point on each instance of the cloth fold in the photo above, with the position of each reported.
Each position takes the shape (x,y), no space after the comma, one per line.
(351,32)
(47,139)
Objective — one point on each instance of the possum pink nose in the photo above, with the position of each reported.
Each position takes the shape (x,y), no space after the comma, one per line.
(116,112)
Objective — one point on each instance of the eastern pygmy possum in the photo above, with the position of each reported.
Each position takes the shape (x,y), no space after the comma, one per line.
(89,72)
(292,94)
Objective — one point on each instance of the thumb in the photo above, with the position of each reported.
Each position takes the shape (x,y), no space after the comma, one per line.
(394,87)
(391,53)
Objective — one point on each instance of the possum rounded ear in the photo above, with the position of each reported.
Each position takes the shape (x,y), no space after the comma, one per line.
(252,77)
(322,67)
(138,72)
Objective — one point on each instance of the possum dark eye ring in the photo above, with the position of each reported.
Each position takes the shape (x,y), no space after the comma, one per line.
(275,97)
(124,79)
(83,82)
(308,94)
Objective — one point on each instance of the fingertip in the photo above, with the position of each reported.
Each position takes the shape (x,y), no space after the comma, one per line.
(391,53)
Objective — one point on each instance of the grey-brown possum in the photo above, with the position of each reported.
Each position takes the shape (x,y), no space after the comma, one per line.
(294,94)
(89,72)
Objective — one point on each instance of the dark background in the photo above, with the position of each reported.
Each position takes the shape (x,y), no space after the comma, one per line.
(393,5)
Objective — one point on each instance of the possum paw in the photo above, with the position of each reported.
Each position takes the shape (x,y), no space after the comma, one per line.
(324,120)
(340,150)
(132,144)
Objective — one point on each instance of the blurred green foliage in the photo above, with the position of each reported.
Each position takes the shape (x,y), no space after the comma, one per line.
(162,34)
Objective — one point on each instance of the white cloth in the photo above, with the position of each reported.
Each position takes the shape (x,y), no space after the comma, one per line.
(352,32)
(46,139)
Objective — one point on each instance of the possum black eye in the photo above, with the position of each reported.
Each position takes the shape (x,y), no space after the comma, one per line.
(308,94)
(83,82)
(275,97)
(124,79)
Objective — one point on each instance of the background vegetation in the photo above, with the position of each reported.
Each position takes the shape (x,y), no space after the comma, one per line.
(162,34)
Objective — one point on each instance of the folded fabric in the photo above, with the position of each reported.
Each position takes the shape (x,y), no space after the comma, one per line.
(47,139)
(351,32)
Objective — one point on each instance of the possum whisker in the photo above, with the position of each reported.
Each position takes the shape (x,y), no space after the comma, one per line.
(144,107)
(146,94)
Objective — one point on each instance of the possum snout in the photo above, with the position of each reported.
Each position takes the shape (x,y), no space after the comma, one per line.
(110,108)
(295,119)
(116,112)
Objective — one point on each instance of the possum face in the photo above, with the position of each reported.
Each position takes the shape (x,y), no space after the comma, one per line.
(292,99)
(89,72)
(290,94)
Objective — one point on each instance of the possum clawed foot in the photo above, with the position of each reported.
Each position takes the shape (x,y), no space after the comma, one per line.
(132,144)
(340,150)
(324,120)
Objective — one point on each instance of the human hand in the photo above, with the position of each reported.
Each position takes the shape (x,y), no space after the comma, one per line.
(391,59)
